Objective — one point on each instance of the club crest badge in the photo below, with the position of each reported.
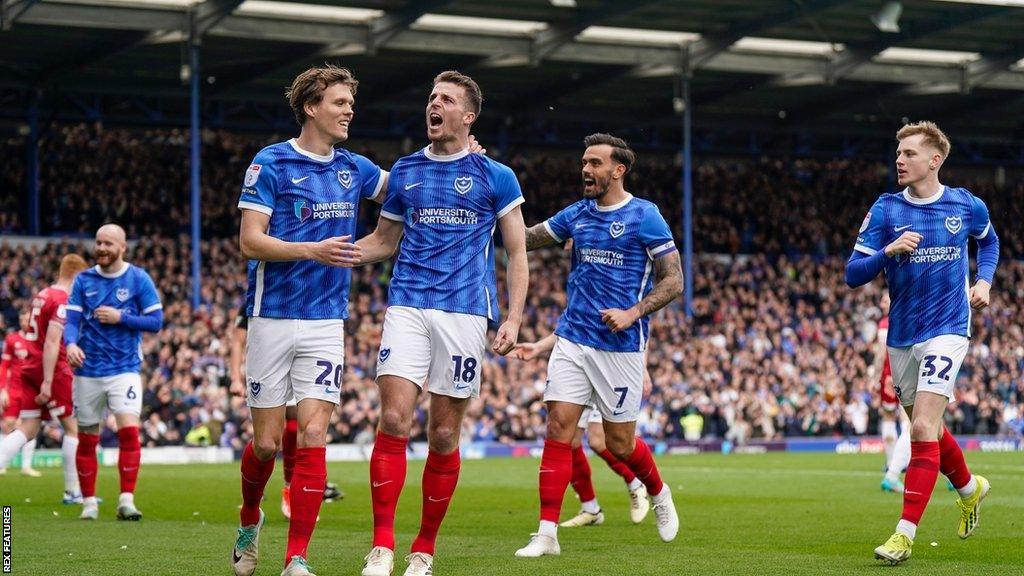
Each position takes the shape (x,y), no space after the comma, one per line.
(345,178)
(463,184)
(616,229)
(954,224)
(385,353)
(122,294)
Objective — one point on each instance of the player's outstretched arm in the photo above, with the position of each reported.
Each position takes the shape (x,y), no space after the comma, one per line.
(513,234)
(537,236)
(256,244)
(382,243)
(668,285)
(531,350)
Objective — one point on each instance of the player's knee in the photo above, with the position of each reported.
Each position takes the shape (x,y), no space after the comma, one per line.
(923,430)
(622,448)
(265,448)
(443,438)
(560,430)
(596,444)
(312,434)
(395,422)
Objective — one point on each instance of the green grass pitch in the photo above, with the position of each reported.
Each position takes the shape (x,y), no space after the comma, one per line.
(742,514)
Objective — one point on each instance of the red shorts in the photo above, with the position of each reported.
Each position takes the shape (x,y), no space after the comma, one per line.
(60,405)
(13,407)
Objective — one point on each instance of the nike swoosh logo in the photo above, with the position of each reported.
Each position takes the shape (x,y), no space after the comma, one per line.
(909,492)
(306,489)
(91,294)
(618,413)
(297,180)
(463,387)
(236,556)
(130,469)
(934,382)
(542,470)
(413,185)
(901,228)
(432,499)
(379,484)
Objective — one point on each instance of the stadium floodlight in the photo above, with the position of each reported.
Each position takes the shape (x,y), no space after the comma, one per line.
(563,3)
(888,18)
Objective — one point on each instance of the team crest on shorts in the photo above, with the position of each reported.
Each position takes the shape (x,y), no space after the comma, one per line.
(954,224)
(345,178)
(616,229)
(463,184)
(254,387)
(385,353)
(122,294)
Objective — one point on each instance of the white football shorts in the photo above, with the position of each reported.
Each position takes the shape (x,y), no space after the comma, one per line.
(121,393)
(929,366)
(441,352)
(591,415)
(612,381)
(289,359)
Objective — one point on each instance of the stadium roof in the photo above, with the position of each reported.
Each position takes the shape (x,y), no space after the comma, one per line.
(811,64)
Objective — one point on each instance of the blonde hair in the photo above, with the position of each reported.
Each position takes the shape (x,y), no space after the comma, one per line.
(933,136)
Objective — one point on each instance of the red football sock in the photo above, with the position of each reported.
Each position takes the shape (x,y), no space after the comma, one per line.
(85,461)
(128,457)
(555,474)
(387,478)
(618,466)
(255,474)
(581,482)
(641,462)
(307,495)
(920,479)
(951,460)
(440,476)
(288,442)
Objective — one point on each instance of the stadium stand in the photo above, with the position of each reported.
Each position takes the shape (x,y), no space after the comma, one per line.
(777,346)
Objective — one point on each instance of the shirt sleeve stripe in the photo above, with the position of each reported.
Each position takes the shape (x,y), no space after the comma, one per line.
(73,307)
(391,216)
(985,231)
(156,306)
(380,183)
(865,249)
(243,205)
(547,227)
(661,250)
(510,206)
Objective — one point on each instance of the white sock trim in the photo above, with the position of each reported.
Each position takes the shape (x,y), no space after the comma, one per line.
(907,528)
(634,485)
(968,488)
(548,529)
(591,506)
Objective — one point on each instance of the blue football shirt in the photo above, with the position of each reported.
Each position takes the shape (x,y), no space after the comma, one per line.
(111,348)
(309,198)
(613,253)
(928,287)
(450,206)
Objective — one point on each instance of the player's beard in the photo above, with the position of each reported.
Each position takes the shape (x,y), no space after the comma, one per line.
(598,190)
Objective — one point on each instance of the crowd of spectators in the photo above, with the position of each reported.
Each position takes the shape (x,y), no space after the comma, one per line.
(777,346)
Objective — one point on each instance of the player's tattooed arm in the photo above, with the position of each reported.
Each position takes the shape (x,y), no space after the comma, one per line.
(668,284)
(537,236)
